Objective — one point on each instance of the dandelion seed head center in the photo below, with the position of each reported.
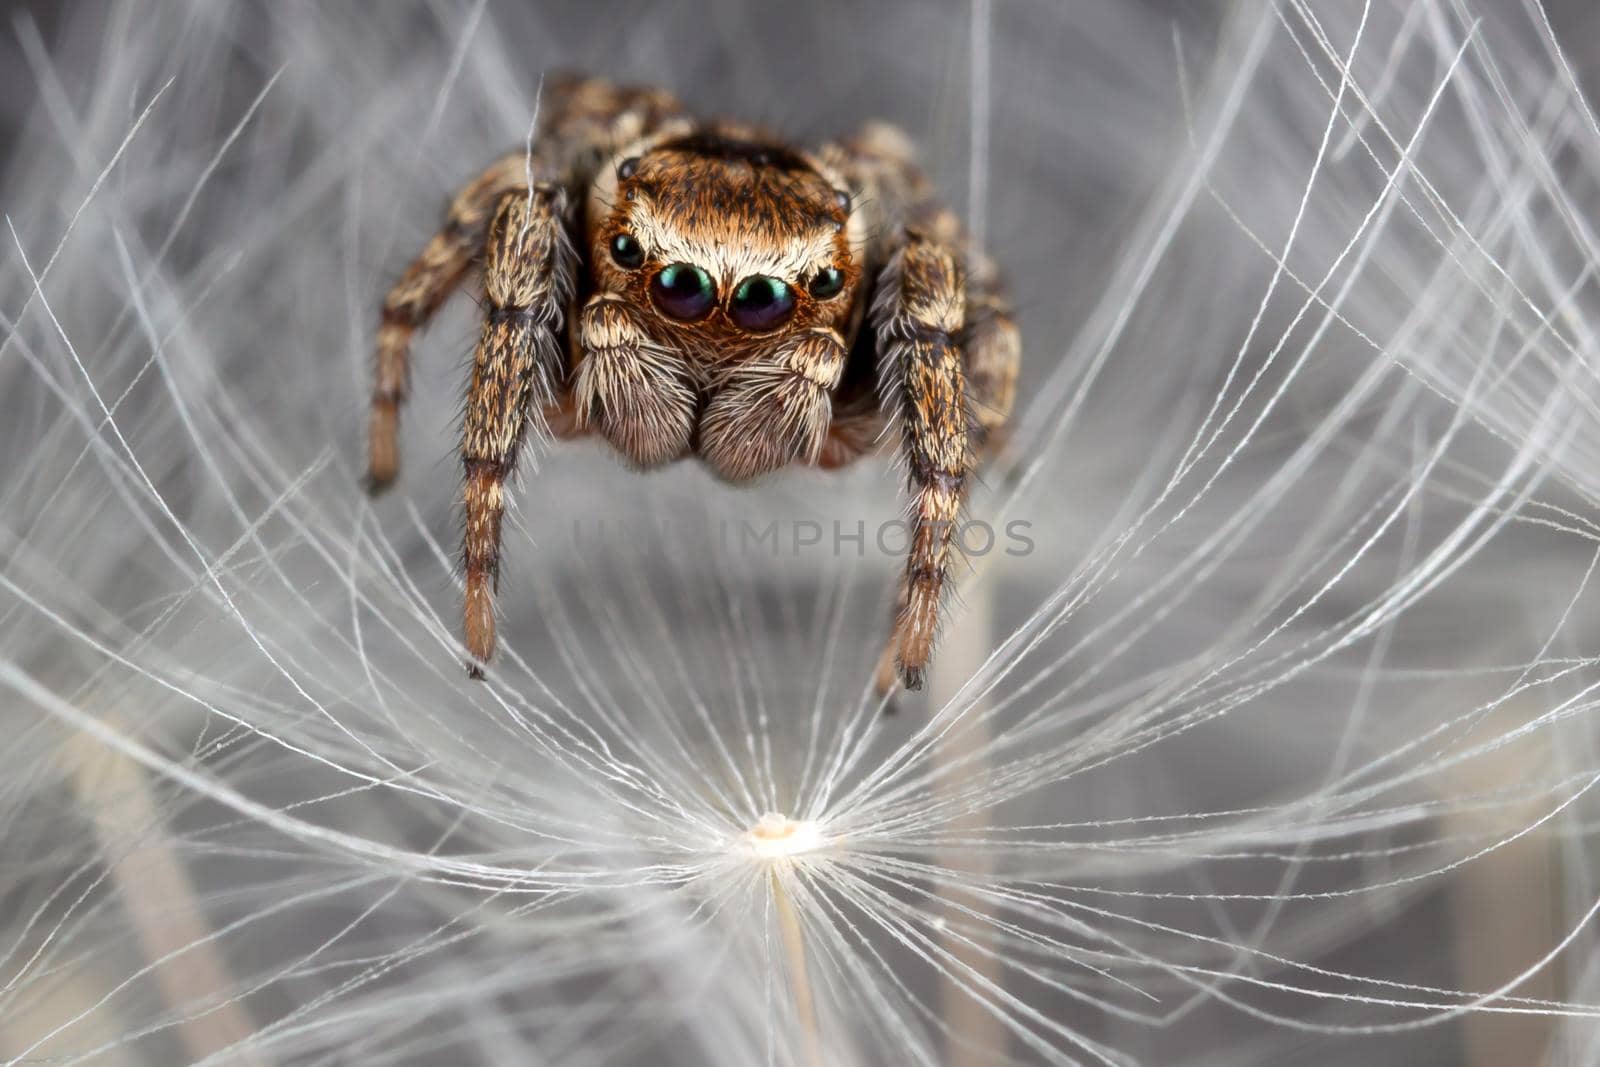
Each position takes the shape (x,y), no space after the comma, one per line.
(777,837)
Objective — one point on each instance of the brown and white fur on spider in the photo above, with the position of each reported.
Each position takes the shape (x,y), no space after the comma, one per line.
(689,288)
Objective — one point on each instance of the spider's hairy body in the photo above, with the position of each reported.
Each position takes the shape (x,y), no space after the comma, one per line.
(738,206)
(683,288)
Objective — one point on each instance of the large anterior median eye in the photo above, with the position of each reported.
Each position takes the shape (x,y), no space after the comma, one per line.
(761,303)
(684,291)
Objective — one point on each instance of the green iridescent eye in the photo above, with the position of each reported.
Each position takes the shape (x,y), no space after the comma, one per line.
(826,282)
(762,303)
(684,291)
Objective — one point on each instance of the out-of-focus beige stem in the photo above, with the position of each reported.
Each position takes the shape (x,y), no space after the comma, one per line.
(24,1035)
(961,654)
(159,899)
(967,645)
(794,947)
(1503,905)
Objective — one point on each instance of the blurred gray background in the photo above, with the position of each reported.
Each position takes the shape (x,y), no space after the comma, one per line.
(1577,22)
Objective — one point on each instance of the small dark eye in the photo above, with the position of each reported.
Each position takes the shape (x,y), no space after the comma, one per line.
(628,167)
(684,291)
(627,251)
(826,282)
(761,303)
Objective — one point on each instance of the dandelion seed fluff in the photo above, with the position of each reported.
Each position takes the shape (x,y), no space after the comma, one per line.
(1263,734)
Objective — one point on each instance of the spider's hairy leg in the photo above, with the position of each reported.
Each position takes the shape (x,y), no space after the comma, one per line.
(528,277)
(637,395)
(918,318)
(583,117)
(770,413)
(426,284)
(993,351)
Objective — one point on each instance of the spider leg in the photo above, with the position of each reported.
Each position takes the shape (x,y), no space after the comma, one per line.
(528,275)
(426,284)
(529,278)
(947,354)
(993,351)
(583,119)
(918,317)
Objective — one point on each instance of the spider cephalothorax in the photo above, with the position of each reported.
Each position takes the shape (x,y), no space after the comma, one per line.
(736,263)
(686,288)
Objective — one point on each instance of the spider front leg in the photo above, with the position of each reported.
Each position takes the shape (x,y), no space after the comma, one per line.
(993,352)
(528,275)
(918,318)
(426,284)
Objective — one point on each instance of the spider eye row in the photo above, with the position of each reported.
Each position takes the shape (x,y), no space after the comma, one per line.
(685,292)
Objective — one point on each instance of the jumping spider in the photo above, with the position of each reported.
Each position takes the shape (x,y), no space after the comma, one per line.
(682,287)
